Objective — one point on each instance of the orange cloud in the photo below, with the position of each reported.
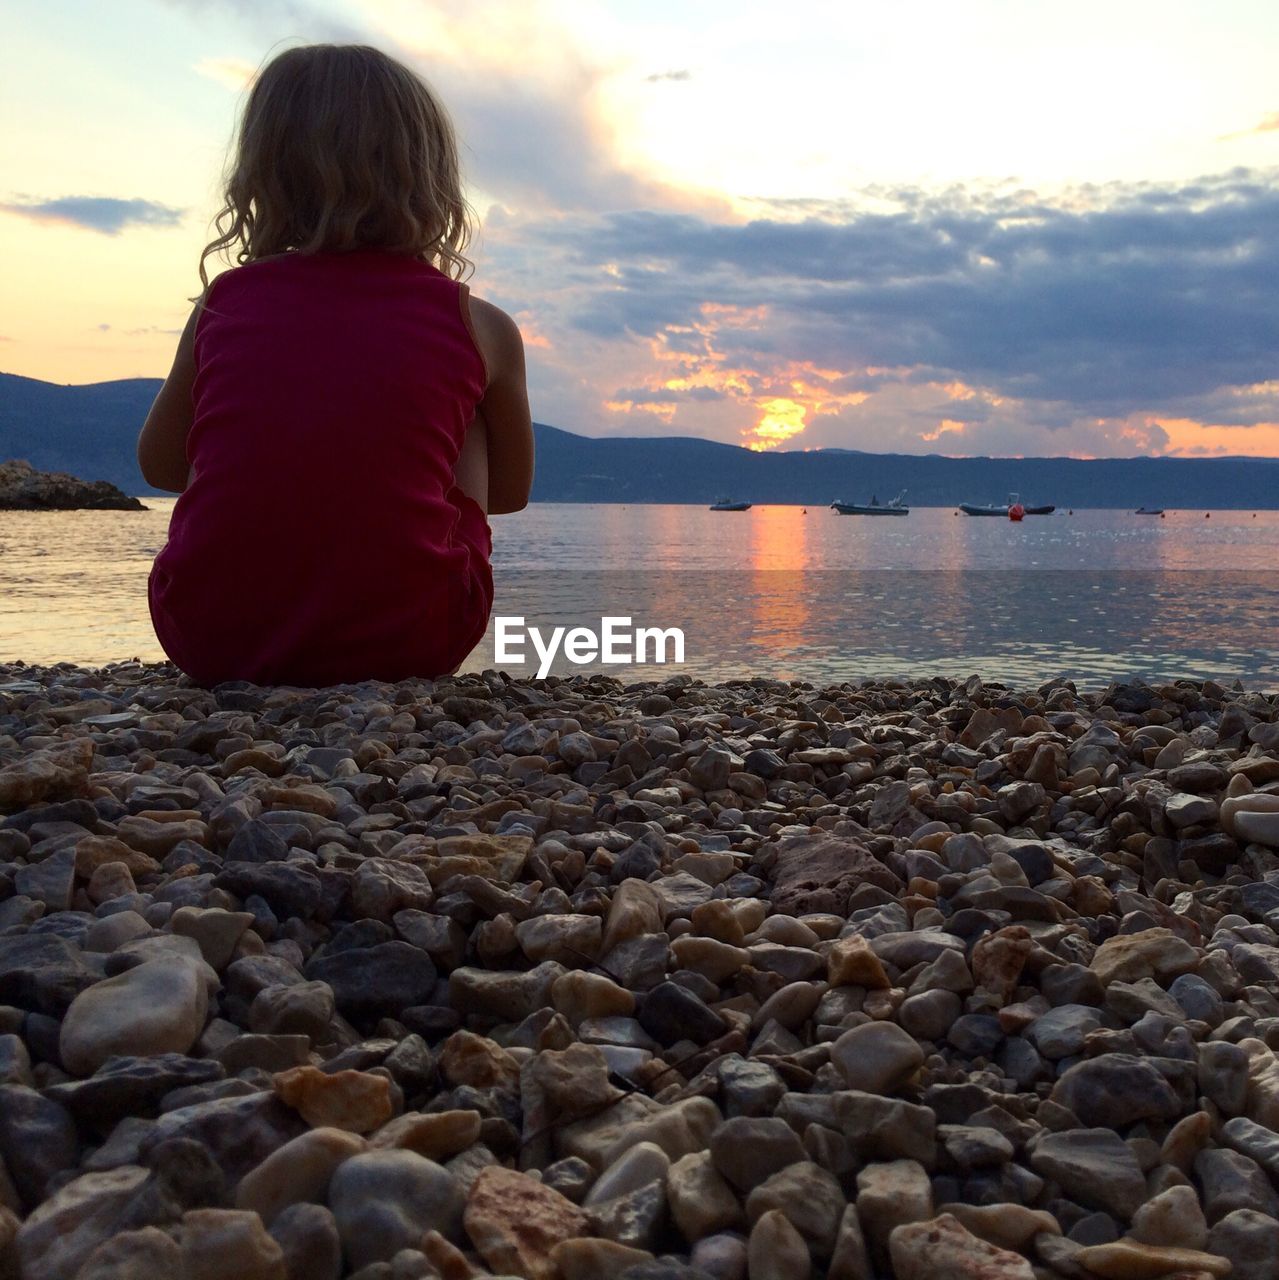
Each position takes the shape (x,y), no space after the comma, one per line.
(1269,124)
(1190,438)
(231,73)
(664,409)
(782,401)
(947,426)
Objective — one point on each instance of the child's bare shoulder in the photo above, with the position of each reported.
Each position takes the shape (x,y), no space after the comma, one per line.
(498,338)
(494,323)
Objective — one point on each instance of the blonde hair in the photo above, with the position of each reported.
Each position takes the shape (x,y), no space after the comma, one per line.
(342,147)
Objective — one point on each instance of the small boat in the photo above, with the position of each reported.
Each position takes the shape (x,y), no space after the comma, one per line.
(1149,511)
(873,507)
(993,509)
(727,504)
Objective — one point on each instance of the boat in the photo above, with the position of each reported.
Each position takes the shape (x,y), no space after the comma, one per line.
(873,508)
(1002,510)
(727,504)
(1149,511)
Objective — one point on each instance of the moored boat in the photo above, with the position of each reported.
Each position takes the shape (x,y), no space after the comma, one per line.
(873,508)
(997,509)
(1149,511)
(727,504)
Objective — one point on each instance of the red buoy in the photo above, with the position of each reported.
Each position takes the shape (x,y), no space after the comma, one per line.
(1016,511)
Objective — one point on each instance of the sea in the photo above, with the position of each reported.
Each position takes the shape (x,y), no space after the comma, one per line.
(782,592)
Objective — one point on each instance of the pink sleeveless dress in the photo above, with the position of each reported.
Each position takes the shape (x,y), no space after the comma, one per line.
(321,539)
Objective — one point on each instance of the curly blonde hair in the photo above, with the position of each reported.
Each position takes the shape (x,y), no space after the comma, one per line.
(341,147)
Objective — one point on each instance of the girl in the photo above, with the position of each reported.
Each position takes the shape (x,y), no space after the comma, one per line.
(341,415)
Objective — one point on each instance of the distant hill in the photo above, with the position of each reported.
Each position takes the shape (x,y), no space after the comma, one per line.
(92,430)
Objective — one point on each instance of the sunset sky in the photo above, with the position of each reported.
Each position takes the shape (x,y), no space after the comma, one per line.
(953,226)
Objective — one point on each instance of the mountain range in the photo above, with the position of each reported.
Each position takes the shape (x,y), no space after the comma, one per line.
(91,431)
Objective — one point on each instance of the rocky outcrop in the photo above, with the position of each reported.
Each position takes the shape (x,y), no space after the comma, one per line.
(23,488)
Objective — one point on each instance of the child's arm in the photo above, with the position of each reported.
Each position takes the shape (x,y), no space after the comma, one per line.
(162,446)
(504,409)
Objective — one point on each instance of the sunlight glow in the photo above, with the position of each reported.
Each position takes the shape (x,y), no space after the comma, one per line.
(781,419)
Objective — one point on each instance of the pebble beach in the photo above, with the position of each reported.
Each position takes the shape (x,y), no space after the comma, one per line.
(573,979)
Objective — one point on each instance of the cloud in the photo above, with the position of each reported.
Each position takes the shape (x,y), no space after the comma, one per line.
(104,214)
(231,73)
(1268,124)
(1022,323)
(285,19)
(982,317)
(527,101)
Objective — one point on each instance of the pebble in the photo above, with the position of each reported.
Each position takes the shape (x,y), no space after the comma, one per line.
(159,1007)
(876,1057)
(1132,1260)
(481,977)
(58,1235)
(776,1251)
(943,1248)
(747,1150)
(515,1222)
(299,1171)
(356,1101)
(702,1202)
(384,1201)
(221,1242)
(308,1238)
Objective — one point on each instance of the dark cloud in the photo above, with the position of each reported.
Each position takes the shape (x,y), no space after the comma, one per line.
(1109,300)
(97,213)
(664,395)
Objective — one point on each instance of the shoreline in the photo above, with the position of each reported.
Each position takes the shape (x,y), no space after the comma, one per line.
(680,980)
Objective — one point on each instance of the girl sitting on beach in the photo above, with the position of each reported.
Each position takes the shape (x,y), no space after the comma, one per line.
(341,415)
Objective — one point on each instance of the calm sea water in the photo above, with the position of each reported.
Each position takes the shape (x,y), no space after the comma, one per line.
(775,591)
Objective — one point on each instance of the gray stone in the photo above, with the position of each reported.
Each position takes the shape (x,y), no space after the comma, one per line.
(876,1057)
(811,1199)
(159,1007)
(308,1237)
(375,982)
(929,1015)
(38,1140)
(1255,1141)
(1115,1090)
(60,1234)
(384,1201)
(1197,998)
(749,1088)
(1223,1075)
(131,1086)
(1060,1032)
(1250,1240)
(50,881)
(1094,1167)
(748,1150)
(1230,1181)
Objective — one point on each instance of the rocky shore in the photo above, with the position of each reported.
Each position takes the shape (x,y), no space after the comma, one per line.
(23,488)
(567,980)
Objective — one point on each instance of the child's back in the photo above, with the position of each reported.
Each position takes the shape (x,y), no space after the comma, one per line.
(339,418)
(321,521)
